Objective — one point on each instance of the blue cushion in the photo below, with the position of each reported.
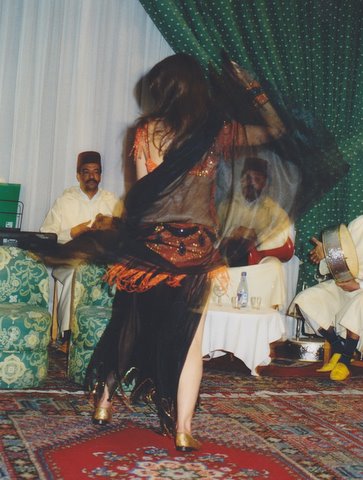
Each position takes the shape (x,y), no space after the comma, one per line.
(78,360)
(22,278)
(25,321)
(89,287)
(23,369)
(90,324)
(92,304)
(24,327)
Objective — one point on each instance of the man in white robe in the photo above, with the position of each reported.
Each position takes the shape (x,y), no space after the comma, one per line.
(337,307)
(79,209)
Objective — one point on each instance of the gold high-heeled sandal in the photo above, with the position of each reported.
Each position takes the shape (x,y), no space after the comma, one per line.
(102,415)
(184,442)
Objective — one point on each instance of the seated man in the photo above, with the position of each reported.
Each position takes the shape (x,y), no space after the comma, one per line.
(337,307)
(79,209)
(257,223)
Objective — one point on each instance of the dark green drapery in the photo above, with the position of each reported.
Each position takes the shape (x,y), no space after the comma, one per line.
(309,50)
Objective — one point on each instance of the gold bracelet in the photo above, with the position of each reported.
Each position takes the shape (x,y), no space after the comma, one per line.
(259,96)
(261,99)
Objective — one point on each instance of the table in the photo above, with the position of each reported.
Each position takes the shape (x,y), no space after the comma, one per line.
(246,333)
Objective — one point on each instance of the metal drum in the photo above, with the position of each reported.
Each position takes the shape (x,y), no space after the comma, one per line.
(340,253)
(307,349)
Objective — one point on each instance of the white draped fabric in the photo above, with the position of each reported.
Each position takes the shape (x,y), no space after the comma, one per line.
(246,333)
(68,69)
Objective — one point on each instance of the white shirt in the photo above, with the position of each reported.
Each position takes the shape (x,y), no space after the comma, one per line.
(74,207)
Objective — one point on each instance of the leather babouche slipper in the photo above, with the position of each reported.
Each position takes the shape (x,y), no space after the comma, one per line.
(340,372)
(329,366)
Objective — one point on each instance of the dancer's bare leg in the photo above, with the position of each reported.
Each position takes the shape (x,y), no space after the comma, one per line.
(189,382)
(103,402)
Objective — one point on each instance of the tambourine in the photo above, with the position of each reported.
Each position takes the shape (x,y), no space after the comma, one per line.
(340,253)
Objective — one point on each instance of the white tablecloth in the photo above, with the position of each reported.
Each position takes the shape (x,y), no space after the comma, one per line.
(246,333)
(273,281)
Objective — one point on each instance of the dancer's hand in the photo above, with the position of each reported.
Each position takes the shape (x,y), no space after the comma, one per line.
(242,75)
(243,234)
(274,127)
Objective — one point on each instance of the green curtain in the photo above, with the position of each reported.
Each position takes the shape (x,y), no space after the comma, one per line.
(310,51)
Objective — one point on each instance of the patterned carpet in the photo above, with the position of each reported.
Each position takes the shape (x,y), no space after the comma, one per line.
(276,427)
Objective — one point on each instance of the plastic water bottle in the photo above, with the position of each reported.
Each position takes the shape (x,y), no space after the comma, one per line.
(242,291)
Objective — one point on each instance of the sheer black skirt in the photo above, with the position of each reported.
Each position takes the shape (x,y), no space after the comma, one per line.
(146,343)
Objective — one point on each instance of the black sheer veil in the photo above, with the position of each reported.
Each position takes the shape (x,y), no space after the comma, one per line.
(301,165)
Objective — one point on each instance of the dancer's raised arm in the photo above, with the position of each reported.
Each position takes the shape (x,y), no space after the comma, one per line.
(274,127)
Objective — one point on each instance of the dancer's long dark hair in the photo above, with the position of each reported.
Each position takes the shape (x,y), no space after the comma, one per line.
(180,103)
(178,97)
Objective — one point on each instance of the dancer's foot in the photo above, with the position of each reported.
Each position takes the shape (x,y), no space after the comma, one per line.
(329,366)
(102,415)
(184,442)
(103,411)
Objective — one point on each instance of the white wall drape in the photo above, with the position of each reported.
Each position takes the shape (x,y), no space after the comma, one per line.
(68,69)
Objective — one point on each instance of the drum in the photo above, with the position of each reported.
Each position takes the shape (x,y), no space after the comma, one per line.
(340,253)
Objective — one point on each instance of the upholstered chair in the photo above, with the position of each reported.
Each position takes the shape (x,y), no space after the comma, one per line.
(25,320)
(92,307)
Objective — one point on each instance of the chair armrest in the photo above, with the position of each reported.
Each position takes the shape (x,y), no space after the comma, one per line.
(89,288)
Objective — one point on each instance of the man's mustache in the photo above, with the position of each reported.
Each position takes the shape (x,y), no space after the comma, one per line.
(251,193)
(251,189)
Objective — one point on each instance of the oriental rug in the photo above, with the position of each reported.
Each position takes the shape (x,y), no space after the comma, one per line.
(273,428)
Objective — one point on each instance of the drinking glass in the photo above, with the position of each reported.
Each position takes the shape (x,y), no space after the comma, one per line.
(256,302)
(218,291)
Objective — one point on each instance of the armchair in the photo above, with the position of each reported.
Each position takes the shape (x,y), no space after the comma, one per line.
(25,320)
(91,311)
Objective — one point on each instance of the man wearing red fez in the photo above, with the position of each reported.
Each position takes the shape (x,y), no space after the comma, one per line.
(80,208)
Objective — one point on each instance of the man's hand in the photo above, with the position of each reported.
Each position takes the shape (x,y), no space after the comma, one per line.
(81,228)
(105,222)
(102,222)
(243,233)
(317,253)
(349,285)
